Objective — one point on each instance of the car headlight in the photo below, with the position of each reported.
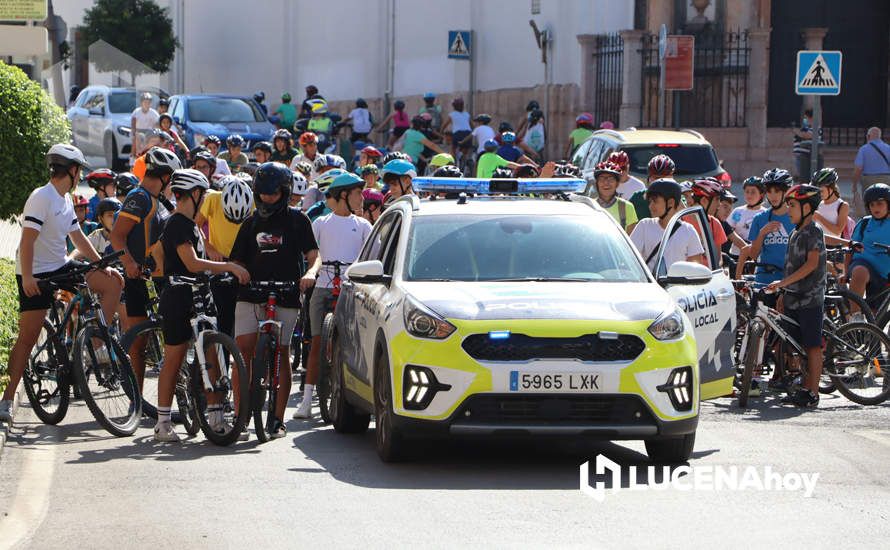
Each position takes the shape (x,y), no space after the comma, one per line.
(124,131)
(422,322)
(668,327)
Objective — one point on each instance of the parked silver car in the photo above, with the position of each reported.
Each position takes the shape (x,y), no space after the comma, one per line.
(100,122)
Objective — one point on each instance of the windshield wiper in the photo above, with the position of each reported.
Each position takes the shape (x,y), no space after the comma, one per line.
(542,280)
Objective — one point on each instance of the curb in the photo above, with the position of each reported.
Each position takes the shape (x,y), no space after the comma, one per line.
(4,427)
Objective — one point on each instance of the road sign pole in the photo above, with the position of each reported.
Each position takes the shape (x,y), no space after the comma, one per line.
(661,94)
(472,65)
(817,130)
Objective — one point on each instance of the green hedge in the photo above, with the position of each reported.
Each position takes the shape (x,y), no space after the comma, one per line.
(8,315)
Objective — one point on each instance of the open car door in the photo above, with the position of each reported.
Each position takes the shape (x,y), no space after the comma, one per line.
(708,303)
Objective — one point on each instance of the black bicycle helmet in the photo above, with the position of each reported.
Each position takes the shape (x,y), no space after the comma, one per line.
(263,146)
(282,134)
(502,173)
(483,118)
(235,140)
(398,104)
(448,171)
(777,177)
(567,170)
(396,155)
(825,176)
(877,192)
(532,106)
(271,177)
(125,182)
(212,139)
(665,188)
(108,204)
(505,127)
(754,181)
(361,103)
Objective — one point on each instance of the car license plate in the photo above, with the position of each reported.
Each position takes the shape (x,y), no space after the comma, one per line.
(585,382)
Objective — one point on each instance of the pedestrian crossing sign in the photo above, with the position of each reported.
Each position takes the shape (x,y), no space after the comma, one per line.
(818,73)
(459,44)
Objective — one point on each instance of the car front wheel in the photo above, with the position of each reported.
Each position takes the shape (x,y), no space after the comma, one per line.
(391,445)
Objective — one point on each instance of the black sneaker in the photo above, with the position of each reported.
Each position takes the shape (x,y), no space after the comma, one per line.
(278,429)
(780,385)
(804,399)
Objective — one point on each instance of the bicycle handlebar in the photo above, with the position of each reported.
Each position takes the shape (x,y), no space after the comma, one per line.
(77,272)
(202,278)
(273,285)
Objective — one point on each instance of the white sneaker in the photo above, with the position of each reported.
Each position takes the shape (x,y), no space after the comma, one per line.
(243,436)
(303,411)
(6,411)
(164,432)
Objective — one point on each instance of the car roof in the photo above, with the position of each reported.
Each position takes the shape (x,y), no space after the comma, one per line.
(485,206)
(646,137)
(210,96)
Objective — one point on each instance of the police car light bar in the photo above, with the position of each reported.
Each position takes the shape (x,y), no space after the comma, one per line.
(481,186)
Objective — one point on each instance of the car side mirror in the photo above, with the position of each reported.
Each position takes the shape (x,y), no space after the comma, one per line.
(370,271)
(686,273)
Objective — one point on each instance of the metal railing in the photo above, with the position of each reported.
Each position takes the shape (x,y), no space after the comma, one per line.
(608,61)
(846,137)
(720,83)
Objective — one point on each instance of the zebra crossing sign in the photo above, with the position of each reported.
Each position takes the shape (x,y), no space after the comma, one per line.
(459,44)
(818,73)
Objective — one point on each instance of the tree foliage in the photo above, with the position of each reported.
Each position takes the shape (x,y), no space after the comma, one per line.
(139,28)
(30,122)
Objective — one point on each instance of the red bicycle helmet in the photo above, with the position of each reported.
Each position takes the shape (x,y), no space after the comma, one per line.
(620,158)
(805,194)
(100,177)
(372,152)
(606,167)
(661,165)
(584,118)
(307,138)
(707,187)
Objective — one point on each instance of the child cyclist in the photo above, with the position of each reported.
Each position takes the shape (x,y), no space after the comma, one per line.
(741,217)
(272,244)
(183,252)
(804,279)
(868,271)
(769,231)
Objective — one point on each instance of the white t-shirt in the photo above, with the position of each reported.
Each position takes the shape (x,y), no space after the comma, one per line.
(460,121)
(361,120)
(53,216)
(740,219)
(100,241)
(682,244)
(145,120)
(482,134)
(628,188)
(340,238)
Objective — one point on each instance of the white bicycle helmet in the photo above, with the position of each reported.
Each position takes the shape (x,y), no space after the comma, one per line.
(63,154)
(325,180)
(300,184)
(187,179)
(159,162)
(237,199)
(337,161)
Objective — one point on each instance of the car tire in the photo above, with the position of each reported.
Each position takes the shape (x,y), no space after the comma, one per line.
(344,416)
(390,442)
(671,451)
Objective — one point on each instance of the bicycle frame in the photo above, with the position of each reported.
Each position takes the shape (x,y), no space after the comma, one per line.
(203,321)
(271,325)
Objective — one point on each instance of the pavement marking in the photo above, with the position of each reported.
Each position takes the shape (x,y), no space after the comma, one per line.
(29,505)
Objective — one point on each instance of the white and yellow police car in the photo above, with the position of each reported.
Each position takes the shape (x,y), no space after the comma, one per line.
(496,313)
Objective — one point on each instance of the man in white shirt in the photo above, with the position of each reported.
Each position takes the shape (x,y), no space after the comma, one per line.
(664,197)
(142,121)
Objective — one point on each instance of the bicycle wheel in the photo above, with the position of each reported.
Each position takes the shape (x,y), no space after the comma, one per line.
(262,395)
(858,358)
(219,418)
(838,306)
(749,364)
(106,381)
(46,379)
(153,357)
(323,388)
(185,404)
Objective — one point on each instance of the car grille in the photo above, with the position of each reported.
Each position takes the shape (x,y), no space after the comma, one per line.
(519,347)
(605,409)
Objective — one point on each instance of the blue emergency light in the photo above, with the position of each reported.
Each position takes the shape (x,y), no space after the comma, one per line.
(482,186)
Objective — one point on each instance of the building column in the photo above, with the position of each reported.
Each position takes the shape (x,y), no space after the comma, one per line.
(813,38)
(588,70)
(758,90)
(631,79)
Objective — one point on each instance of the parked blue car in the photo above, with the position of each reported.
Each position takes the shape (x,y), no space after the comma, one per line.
(202,115)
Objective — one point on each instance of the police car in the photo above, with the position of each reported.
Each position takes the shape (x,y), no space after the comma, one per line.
(499,314)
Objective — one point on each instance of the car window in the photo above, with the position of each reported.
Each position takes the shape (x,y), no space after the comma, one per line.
(593,156)
(178,109)
(392,246)
(224,109)
(123,102)
(695,216)
(520,247)
(690,159)
(578,157)
(95,100)
(373,248)
(82,98)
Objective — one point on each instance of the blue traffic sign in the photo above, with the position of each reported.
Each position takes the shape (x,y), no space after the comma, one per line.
(818,73)
(459,44)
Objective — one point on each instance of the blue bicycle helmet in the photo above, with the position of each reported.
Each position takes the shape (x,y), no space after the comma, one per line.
(344,182)
(399,167)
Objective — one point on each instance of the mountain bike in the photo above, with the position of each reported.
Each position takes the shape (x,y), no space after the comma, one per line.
(327,331)
(217,376)
(94,359)
(265,377)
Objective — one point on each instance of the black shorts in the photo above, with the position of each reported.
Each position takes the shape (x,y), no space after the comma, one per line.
(810,321)
(876,281)
(136,297)
(399,130)
(44,300)
(357,136)
(457,137)
(175,309)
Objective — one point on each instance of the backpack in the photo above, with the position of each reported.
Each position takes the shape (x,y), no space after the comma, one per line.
(848,229)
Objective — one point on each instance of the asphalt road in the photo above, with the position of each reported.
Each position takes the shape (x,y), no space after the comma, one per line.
(74,485)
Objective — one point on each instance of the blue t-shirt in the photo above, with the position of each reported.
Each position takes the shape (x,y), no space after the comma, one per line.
(775,245)
(509,152)
(876,231)
(92,206)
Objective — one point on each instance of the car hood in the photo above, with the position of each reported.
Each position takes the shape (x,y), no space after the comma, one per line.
(263,129)
(544,300)
(121,119)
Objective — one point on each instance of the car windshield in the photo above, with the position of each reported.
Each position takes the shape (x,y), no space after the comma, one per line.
(519,248)
(690,159)
(223,109)
(123,102)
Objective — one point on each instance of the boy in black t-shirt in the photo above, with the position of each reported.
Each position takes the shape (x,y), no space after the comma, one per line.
(183,247)
(271,244)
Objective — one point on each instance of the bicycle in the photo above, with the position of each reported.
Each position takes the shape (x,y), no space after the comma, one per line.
(93,358)
(849,349)
(327,331)
(265,377)
(210,360)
